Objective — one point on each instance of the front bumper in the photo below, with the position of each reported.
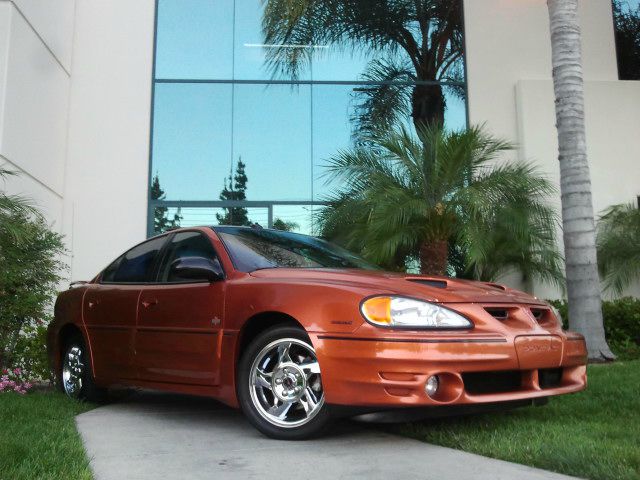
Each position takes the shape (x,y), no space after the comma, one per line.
(391,370)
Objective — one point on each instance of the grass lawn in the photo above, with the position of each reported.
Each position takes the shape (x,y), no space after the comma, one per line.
(38,437)
(594,434)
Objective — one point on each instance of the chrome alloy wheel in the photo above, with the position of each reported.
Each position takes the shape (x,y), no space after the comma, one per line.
(285,384)
(73,371)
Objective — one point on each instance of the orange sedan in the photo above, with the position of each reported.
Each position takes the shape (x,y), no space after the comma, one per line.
(291,328)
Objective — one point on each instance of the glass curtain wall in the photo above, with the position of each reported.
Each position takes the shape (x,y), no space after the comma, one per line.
(626,19)
(252,97)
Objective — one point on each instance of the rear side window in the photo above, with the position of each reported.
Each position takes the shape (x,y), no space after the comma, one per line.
(109,273)
(135,266)
(185,245)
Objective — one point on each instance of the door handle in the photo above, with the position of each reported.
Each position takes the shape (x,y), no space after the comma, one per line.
(93,303)
(149,303)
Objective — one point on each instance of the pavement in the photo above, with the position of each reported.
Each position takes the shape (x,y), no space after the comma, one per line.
(164,436)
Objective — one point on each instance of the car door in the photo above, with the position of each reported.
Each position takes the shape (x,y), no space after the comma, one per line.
(110,311)
(179,319)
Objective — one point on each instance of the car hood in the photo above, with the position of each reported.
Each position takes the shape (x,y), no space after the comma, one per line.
(431,288)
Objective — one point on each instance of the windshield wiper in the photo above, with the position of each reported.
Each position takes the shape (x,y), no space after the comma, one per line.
(265,268)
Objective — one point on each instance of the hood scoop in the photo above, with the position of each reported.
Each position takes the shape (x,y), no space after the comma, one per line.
(430,282)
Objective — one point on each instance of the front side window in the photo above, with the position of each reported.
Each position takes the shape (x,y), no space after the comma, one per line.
(135,266)
(182,246)
(256,249)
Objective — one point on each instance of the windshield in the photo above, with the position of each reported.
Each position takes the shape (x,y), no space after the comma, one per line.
(253,249)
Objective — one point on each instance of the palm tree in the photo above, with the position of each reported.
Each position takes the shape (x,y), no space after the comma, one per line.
(618,243)
(409,197)
(414,41)
(583,285)
(12,208)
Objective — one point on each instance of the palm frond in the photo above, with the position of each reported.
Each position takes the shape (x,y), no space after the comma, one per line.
(385,102)
(343,25)
(360,166)
(428,32)
(4,173)
(14,208)
(403,191)
(618,241)
(509,225)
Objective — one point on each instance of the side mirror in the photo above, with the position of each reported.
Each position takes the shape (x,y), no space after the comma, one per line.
(196,269)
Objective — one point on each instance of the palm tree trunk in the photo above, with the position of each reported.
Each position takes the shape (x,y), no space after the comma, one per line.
(583,286)
(427,105)
(433,257)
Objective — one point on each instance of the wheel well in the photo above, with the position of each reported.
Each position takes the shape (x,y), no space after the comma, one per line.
(67,332)
(257,324)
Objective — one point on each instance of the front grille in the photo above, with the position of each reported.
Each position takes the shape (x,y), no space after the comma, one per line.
(549,377)
(479,383)
(520,318)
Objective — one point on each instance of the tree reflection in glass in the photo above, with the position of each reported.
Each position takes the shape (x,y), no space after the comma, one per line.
(413,41)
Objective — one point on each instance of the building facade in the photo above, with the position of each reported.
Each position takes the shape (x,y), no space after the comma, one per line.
(124,118)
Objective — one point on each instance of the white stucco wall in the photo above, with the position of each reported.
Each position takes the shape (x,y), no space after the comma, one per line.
(509,41)
(105,198)
(613,124)
(34,93)
(75,95)
(511,90)
(52,20)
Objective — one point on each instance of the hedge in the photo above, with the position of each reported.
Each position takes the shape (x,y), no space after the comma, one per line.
(621,325)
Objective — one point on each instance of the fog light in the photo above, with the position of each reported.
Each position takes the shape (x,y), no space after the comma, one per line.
(431,387)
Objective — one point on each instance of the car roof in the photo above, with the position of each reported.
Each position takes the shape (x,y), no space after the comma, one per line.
(248,227)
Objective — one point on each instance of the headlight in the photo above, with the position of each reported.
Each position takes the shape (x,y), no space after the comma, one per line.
(400,312)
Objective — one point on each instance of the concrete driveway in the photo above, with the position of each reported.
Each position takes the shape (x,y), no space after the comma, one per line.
(161,436)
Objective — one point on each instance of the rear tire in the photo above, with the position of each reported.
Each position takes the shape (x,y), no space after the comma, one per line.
(280,387)
(75,377)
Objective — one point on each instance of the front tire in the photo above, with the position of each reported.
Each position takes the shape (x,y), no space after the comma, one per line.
(75,376)
(280,386)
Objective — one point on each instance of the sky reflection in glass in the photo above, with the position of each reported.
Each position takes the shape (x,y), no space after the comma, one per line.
(284,133)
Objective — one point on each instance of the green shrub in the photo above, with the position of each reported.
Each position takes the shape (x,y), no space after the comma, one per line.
(30,351)
(621,325)
(30,271)
(619,246)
